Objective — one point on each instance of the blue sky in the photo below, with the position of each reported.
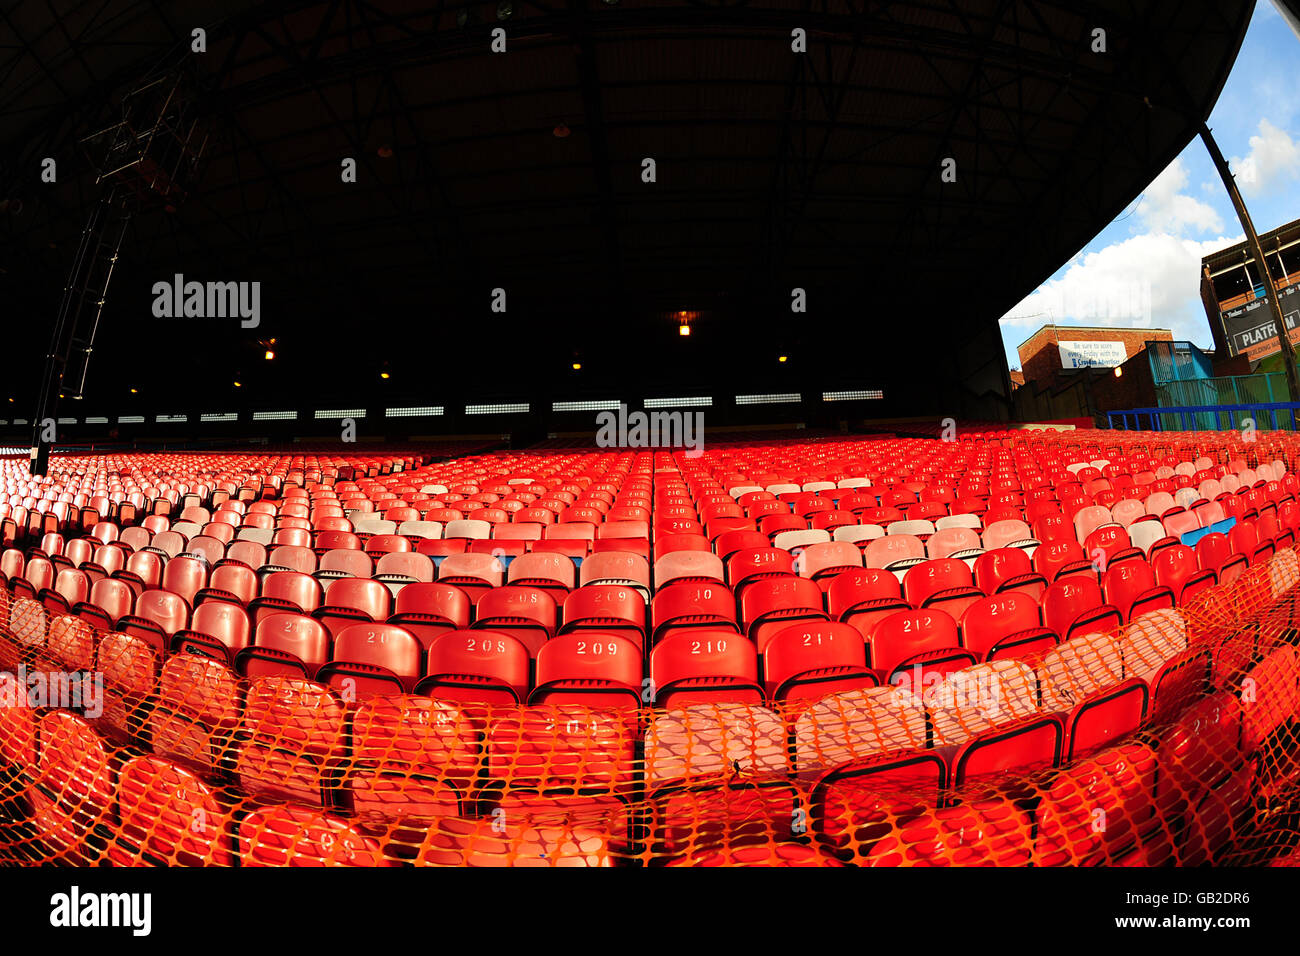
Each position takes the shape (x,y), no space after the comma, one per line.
(1143,270)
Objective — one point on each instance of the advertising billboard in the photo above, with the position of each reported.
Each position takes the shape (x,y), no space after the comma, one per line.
(1091,354)
(1250,329)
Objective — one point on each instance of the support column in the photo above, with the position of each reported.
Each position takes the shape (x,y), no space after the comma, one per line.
(1252,237)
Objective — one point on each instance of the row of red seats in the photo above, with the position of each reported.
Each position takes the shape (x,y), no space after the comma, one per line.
(1194,782)
(762,596)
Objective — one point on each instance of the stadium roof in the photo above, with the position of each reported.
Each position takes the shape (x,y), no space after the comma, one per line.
(1284,236)
(774,170)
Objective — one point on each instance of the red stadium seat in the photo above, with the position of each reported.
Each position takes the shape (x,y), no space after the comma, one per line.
(1176,568)
(772,603)
(168,816)
(476,667)
(686,566)
(1075,606)
(297,836)
(525,613)
(687,605)
(1059,559)
(397,568)
(1105,717)
(344,562)
(412,758)
(292,739)
(616,567)
(1214,553)
(550,572)
(475,574)
(1030,744)
(231,582)
(608,608)
(757,564)
(331,540)
(812,659)
(704,666)
(185,575)
(287,645)
(73,778)
(1007,569)
(589,668)
(254,555)
(158,615)
(822,562)
(944,583)
(901,638)
(1001,622)
(113,598)
(864,597)
(428,610)
(284,591)
(288,557)
(370,659)
(353,600)
(852,807)
(1131,587)
(1101,812)
(217,628)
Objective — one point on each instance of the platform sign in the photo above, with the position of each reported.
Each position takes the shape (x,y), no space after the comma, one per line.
(1092,354)
(1251,331)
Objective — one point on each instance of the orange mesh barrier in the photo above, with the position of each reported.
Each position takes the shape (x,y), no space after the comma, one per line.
(1169,741)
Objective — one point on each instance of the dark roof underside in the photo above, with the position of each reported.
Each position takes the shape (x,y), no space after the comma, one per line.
(775,170)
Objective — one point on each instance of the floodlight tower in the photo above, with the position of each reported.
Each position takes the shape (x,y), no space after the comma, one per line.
(1256,250)
(149,159)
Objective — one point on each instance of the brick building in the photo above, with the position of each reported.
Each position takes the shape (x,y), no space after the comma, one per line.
(1055,353)
(1233,289)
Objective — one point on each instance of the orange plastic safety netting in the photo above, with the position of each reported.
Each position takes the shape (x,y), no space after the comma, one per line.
(1170,741)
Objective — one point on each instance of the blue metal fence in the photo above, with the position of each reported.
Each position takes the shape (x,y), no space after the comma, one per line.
(1270,416)
(1177,362)
(1223,390)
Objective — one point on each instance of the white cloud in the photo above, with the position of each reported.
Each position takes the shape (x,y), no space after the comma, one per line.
(1274,158)
(1147,281)
(1165,208)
